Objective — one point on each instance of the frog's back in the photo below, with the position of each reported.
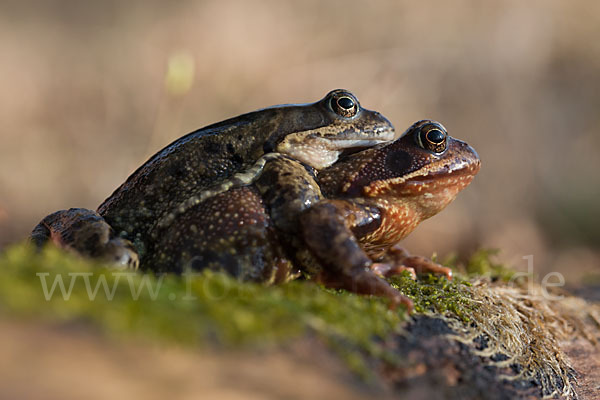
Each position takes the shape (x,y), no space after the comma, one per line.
(189,164)
(313,133)
(193,163)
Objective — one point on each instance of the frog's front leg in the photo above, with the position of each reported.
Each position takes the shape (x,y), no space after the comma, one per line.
(86,233)
(239,179)
(287,187)
(328,229)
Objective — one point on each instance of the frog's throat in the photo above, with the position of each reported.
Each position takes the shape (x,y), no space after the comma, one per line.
(237,180)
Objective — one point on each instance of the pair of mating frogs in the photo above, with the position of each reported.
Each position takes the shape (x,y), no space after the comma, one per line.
(319,189)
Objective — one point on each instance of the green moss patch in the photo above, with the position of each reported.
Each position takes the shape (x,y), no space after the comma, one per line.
(436,294)
(206,308)
(481,264)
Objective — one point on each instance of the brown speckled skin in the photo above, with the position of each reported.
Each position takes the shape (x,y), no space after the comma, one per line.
(367,202)
(211,155)
(250,232)
(231,232)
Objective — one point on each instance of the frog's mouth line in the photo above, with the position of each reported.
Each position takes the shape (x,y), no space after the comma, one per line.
(357,143)
(348,147)
(442,179)
(465,167)
(419,182)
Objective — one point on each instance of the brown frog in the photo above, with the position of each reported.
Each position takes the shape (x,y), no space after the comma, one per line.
(353,215)
(210,161)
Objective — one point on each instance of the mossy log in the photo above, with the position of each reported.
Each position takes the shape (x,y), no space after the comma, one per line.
(479,336)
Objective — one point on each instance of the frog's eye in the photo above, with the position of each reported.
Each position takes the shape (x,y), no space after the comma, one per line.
(344,104)
(432,137)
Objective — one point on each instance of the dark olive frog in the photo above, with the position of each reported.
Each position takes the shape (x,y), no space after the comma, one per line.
(207,162)
(339,225)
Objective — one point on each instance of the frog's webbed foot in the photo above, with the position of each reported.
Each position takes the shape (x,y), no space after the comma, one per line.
(86,233)
(396,260)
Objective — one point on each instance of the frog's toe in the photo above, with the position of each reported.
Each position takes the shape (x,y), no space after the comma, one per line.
(400,299)
(121,253)
(401,260)
(388,270)
(424,265)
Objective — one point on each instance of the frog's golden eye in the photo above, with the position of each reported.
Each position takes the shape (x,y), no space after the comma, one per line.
(344,104)
(432,137)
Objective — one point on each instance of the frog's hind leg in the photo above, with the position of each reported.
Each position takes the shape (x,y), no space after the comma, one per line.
(86,233)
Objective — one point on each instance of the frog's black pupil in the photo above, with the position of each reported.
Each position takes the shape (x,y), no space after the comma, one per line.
(346,103)
(435,136)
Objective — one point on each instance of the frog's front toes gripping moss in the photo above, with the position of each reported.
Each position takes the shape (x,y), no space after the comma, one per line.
(365,282)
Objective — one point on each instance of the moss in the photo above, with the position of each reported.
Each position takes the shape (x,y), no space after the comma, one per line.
(482,263)
(438,295)
(196,310)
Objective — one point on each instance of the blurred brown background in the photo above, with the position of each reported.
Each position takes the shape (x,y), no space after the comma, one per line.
(91,89)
